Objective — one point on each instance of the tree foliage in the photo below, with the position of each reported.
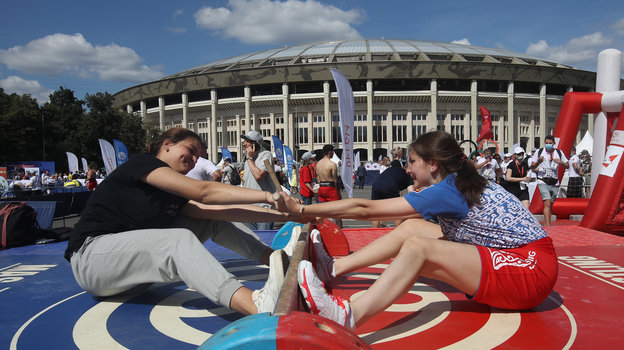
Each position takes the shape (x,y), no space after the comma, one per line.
(65,124)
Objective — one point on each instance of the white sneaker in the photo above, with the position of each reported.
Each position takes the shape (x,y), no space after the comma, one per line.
(266,298)
(323,263)
(292,242)
(319,301)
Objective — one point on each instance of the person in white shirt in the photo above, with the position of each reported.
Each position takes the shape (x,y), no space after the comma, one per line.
(545,162)
(488,167)
(575,180)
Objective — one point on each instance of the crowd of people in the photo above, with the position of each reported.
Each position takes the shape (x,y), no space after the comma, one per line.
(515,171)
(36,183)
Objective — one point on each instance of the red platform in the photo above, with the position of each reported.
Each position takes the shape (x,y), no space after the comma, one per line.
(583,312)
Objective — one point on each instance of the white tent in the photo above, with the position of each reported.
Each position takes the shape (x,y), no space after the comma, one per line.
(586,143)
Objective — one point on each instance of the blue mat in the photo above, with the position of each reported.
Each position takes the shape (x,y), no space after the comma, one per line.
(43,307)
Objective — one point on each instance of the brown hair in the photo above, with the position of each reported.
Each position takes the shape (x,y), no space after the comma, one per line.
(444,149)
(174,135)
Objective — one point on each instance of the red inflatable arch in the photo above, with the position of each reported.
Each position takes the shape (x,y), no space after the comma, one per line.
(604,210)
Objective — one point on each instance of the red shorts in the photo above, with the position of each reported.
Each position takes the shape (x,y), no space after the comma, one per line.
(328,194)
(519,278)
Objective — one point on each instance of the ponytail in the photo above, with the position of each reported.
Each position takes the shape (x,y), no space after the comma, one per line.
(444,149)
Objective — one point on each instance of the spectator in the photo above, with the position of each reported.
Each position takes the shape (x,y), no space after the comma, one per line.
(361,174)
(545,162)
(575,180)
(255,172)
(306,181)
(517,177)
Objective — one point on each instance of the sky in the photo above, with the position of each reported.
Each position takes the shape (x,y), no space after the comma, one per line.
(108,46)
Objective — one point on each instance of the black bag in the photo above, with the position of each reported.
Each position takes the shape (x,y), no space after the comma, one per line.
(235,178)
(19,225)
(551,181)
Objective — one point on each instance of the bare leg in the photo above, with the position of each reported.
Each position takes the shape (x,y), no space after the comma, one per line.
(547,211)
(420,256)
(386,246)
(242,302)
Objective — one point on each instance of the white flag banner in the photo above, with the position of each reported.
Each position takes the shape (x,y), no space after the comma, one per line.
(345,112)
(85,167)
(108,156)
(72,162)
(356,160)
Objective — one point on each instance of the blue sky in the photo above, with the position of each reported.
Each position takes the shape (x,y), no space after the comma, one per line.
(111,45)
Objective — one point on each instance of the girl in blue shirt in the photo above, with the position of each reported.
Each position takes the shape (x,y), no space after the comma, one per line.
(486,243)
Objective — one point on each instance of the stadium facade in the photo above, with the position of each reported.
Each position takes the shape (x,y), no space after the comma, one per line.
(402,88)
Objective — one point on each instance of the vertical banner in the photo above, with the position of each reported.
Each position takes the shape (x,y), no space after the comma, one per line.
(278,147)
(121,152)
(289,161)
(345,112)
(72,162)
(85,166)
(108,156)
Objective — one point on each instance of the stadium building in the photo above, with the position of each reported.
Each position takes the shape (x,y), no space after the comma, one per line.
(402,89)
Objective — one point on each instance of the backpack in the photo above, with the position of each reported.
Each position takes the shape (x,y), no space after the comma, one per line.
(19,225)
(235,178)
(539,152)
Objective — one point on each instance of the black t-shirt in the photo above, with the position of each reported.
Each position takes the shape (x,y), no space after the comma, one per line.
(392,181)
(122,202)
(517,170)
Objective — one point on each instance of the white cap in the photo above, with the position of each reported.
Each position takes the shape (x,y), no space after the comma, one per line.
(307,156)
(507,155)
(254,136)
(518,150)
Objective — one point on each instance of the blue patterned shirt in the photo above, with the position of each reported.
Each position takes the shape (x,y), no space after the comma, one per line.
(500,221)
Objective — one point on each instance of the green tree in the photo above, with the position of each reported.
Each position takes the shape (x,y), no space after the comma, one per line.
(20,128)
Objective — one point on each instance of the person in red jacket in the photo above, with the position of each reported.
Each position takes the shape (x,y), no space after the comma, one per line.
(306,179)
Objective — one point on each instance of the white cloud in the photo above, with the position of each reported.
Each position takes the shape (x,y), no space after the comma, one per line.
(277,22)
(58,54)
(578,51)
(20,86)
(463,41)
(619,27)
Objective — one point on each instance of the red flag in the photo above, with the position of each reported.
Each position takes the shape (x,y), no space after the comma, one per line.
(486,127)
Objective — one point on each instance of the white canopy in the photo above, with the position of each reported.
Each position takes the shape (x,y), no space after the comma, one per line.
(586,143)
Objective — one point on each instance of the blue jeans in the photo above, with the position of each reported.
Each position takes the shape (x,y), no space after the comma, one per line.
(307,200)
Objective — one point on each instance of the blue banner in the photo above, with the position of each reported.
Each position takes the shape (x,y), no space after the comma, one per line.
(225,153)
(121,152)
(279,149)
(289,161)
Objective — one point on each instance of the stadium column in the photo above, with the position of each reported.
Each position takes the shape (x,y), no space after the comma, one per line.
(185,110)
(542,113)
(143,110)
(474,96)
(326,101)
(213,124)
(389,128)
(369,118)
(161,113)
(511,129)
(285,113)
(432,119)
(247,109)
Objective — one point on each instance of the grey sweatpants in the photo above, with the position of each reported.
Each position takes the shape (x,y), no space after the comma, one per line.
(113,263)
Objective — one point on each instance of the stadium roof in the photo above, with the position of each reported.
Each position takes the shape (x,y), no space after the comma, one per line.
(366,51)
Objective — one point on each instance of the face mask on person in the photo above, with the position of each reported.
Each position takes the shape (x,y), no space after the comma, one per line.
(519,156)
(549,146)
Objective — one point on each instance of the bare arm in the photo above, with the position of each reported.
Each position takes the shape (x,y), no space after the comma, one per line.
(239,213)
(207,192)
(357,208)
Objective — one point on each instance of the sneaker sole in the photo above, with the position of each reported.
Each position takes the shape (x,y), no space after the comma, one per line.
(305,290)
